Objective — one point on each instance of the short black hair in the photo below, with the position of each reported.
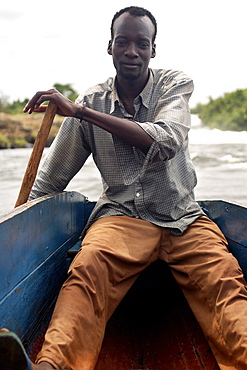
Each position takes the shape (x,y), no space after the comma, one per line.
(136,11)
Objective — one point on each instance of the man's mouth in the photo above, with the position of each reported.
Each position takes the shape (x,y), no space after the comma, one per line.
(131,65)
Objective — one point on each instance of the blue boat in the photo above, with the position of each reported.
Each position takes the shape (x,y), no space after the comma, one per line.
(153,327)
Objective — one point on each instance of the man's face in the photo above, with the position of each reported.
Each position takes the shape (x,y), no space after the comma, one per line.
(132,47)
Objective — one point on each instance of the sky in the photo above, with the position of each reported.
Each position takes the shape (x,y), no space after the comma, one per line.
(55,41)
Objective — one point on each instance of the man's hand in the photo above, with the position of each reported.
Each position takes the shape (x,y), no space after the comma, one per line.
(65,107)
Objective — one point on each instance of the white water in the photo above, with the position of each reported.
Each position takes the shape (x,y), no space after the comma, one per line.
(203,135)
(220,159)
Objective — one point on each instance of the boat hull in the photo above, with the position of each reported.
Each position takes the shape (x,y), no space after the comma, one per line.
(153,328)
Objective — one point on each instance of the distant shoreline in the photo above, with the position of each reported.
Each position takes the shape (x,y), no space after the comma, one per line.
(20,130)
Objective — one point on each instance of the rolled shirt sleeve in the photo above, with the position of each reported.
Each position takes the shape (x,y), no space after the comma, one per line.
(64,159)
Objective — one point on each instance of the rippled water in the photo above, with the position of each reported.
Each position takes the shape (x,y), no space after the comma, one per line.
(220,159)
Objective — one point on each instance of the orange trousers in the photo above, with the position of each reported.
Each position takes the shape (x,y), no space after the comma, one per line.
(114,252)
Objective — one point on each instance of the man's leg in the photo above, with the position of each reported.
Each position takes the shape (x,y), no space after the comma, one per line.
(213,284)
(115,250)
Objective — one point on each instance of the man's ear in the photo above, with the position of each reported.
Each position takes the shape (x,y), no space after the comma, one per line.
(153,51)
(109,49)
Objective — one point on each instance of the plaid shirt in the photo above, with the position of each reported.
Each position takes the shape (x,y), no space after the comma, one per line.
(157,186)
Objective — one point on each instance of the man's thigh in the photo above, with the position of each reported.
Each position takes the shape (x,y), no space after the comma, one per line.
(200,259)
(121,244)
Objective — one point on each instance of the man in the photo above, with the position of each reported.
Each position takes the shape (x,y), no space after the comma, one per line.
(136,127)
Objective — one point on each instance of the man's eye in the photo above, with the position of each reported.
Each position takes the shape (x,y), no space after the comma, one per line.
(143,45)
(120,43)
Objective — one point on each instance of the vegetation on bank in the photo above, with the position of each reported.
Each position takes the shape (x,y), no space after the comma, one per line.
(225,113)
(19,130)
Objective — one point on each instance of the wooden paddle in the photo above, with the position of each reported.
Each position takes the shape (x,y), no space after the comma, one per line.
(35,157)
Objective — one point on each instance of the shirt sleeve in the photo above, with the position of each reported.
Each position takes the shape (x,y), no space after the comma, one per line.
(172,120)
(64,159)
(169,129)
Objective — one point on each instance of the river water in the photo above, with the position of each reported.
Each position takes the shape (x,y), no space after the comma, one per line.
(219,157)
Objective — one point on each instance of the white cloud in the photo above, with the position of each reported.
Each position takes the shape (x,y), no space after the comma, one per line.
(9,15)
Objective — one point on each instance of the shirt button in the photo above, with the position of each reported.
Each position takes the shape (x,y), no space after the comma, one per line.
(138,194)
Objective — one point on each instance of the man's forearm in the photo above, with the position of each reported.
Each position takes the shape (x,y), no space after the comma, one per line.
(124,129)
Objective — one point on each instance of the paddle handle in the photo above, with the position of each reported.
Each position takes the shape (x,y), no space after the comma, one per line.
(36,154)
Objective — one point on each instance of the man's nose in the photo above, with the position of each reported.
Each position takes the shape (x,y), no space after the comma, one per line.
(131,51)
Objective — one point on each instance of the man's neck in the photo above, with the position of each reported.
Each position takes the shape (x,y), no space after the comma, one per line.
(128,90)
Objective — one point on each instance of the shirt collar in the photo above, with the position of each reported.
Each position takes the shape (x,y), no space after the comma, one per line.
(145,93)
(115,97)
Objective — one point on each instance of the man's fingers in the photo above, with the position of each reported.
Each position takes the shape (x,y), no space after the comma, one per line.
(34,105)
(42,108)
(65,107)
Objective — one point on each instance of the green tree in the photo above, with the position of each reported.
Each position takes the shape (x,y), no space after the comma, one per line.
(16,107)
(67,90)
(226,113)
(3,102)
